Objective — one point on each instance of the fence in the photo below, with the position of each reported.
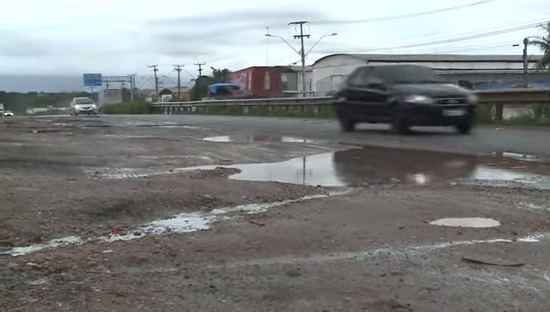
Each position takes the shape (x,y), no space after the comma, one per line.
(321,106)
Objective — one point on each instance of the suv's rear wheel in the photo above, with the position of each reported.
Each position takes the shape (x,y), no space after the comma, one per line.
(346,124)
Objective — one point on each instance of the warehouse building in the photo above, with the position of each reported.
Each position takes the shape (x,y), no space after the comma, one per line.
(474,71)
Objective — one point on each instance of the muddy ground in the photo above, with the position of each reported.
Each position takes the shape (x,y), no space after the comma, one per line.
(349,230)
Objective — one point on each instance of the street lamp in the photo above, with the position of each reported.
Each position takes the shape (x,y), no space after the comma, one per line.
(319,40)
(284,40)
(302,54)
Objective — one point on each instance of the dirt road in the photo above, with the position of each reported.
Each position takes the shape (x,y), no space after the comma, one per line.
(156,213)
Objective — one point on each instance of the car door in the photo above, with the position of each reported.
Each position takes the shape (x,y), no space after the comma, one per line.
(377,92)
(365,97)
(352,88)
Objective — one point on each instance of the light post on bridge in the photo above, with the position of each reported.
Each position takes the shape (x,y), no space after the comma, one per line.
(525,58)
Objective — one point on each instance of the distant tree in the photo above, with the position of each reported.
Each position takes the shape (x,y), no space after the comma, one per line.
(200,89)
(220,75)
(543,43)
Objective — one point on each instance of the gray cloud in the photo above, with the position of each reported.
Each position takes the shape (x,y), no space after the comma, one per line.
(20,45)
(276,17)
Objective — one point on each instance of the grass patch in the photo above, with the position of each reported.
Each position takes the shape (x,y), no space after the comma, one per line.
(532,115)
(128,108)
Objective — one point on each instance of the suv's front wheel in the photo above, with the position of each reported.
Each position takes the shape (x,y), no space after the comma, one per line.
(464,127)
(399,121)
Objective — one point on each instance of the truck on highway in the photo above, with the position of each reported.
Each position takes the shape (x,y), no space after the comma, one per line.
(1,110)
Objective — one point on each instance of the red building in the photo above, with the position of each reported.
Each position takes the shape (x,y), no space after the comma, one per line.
(258,81)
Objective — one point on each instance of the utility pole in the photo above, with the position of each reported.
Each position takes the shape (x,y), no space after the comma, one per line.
(200,65)
(301,36)
(178,68)
(155,70)
(525,62)
(132,86)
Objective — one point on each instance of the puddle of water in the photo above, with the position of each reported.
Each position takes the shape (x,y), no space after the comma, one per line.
(375,166)
(467,222)
(180,223)
(258,138)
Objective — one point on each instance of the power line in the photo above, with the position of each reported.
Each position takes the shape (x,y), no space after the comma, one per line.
(463,37)
(410,15)
(473,48)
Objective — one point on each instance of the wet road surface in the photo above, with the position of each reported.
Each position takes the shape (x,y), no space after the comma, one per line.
(187,213)
(485,139)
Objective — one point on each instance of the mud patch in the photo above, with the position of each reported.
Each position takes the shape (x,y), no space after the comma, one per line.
(467,222)
(258,138)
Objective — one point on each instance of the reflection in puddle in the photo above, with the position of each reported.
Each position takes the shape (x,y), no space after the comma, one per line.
(258,138)
(518,156)
(467,222)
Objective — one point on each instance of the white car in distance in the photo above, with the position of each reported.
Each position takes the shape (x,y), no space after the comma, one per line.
(8,114)
(82,105)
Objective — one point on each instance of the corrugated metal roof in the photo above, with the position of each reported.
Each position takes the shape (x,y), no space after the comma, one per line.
(437,58)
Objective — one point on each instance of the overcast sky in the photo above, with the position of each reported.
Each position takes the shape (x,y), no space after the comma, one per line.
(118,37)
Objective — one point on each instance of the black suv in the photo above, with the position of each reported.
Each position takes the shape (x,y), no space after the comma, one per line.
(404,96)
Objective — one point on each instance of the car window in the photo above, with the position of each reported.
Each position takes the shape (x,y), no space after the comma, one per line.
(83,101)
(406,74)
(355,79)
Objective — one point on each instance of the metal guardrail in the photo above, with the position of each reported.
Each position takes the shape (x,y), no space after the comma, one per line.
(497,98)
(508,96)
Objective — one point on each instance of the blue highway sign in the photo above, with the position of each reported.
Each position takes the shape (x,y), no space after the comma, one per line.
(93,80)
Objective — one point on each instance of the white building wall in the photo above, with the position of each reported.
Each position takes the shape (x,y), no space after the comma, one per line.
(344,65)
(109,96)
(340,65)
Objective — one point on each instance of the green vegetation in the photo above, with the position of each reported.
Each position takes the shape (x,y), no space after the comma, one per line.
(128,108)
(533,115)
(19,102)
(543,44)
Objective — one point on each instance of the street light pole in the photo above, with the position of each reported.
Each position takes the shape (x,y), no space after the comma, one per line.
(301,36)
(301,52)
(525,62)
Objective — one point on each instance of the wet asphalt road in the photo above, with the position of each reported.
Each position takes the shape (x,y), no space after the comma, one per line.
(371,250)
(484,139)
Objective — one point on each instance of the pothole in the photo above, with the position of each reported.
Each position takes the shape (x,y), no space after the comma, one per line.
(467,222)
